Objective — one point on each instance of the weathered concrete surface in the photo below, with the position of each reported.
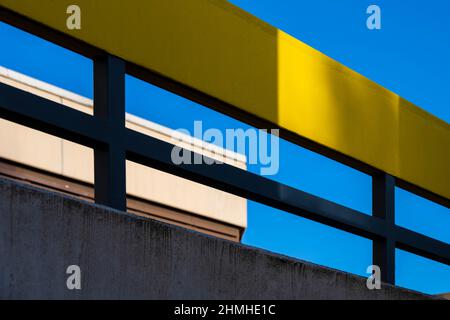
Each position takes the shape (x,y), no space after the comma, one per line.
(126,257)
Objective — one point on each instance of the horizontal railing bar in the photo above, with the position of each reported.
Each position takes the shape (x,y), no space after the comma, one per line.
(423,193)
(422,245)
(157,154)
(46,33)
(229,110)
(56,119)
(51,117)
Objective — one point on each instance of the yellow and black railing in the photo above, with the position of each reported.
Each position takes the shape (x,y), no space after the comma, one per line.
(378,138)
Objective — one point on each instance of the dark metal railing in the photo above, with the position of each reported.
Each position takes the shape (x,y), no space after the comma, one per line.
(113,144)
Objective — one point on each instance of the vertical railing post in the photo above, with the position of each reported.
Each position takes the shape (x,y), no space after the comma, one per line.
(383,206)
(109,106)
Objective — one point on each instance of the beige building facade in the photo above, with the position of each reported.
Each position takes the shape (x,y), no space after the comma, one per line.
(63,166)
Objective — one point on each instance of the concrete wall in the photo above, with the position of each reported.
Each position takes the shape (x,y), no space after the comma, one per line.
(123,256)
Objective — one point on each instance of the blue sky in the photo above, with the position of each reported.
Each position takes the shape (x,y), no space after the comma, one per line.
(409,56)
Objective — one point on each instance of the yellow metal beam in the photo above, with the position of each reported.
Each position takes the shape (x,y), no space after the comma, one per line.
(217,48)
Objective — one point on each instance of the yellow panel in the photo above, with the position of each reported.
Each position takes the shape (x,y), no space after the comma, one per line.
(333,105)
(424,149)
(219,49)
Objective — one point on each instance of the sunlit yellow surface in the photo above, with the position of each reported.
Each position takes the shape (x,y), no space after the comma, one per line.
(215,47)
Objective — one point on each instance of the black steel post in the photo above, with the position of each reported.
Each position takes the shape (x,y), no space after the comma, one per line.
(383,206)
(109,107)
